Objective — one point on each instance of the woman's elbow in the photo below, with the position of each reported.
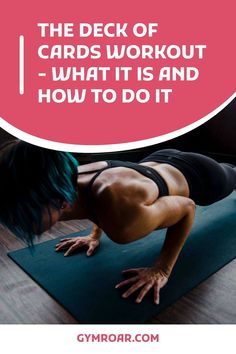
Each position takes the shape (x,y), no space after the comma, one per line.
(190,210)
(191,206)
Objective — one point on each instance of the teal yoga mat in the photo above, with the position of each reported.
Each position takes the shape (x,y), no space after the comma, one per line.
(85,285)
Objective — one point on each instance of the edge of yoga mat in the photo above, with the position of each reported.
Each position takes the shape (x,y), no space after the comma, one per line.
(139,313)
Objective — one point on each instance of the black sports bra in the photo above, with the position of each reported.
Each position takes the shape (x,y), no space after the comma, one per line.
(144,170)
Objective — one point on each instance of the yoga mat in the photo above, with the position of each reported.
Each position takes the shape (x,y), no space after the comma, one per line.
(85,285)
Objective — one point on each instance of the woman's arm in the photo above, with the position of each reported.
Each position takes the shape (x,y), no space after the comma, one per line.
(175,239)
(173,212)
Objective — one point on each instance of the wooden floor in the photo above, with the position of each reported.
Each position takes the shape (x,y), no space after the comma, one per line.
(23,301)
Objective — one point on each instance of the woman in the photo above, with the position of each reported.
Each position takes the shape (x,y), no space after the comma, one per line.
(40,187)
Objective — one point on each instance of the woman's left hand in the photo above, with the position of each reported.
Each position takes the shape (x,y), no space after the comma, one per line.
(144,279)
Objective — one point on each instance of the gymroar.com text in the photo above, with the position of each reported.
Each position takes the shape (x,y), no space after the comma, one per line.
(119,337)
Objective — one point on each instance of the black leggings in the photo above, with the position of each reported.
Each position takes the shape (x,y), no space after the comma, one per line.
(208,180)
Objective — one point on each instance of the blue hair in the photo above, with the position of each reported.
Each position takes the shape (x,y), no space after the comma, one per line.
(33,179)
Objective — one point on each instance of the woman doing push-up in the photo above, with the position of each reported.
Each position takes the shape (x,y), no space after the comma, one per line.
(126,200)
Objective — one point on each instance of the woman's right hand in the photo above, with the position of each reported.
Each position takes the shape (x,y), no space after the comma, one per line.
(71,245)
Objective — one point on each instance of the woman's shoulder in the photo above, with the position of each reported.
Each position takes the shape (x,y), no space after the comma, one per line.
(124,187)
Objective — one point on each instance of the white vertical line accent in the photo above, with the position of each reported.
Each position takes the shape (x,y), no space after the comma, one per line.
(21,65)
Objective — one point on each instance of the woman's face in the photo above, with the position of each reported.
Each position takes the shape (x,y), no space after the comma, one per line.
(51,216)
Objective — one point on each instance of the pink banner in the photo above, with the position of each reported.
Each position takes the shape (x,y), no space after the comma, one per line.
(102,72)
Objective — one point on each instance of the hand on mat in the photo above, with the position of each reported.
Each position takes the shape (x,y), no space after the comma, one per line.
(144,279)
(71,245)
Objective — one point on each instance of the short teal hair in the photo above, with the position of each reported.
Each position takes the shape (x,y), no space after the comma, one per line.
(32,179)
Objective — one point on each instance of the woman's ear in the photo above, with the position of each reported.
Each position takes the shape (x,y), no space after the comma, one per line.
(65,205)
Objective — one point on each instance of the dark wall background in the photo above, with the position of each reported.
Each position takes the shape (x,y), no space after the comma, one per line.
(216,138)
